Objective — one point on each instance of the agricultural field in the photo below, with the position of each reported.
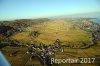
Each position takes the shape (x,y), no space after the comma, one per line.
(30,42)
(57,29)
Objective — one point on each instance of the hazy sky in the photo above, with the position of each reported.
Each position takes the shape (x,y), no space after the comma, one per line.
(18,9)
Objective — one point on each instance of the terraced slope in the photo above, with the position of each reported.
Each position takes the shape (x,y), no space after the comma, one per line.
(57,29)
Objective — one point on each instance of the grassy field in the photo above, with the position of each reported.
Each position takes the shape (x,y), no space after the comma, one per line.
(57,29)
(49,32)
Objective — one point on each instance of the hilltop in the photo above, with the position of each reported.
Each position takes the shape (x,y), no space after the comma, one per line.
(25,39)
(76,34)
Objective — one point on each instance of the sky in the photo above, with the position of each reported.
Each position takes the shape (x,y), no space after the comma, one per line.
(21,9)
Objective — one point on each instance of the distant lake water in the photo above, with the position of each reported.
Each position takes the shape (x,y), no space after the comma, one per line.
(96,20)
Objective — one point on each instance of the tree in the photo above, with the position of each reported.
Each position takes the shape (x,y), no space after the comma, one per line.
(34,34)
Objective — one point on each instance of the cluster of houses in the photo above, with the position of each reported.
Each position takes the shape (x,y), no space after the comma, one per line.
(44,53)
